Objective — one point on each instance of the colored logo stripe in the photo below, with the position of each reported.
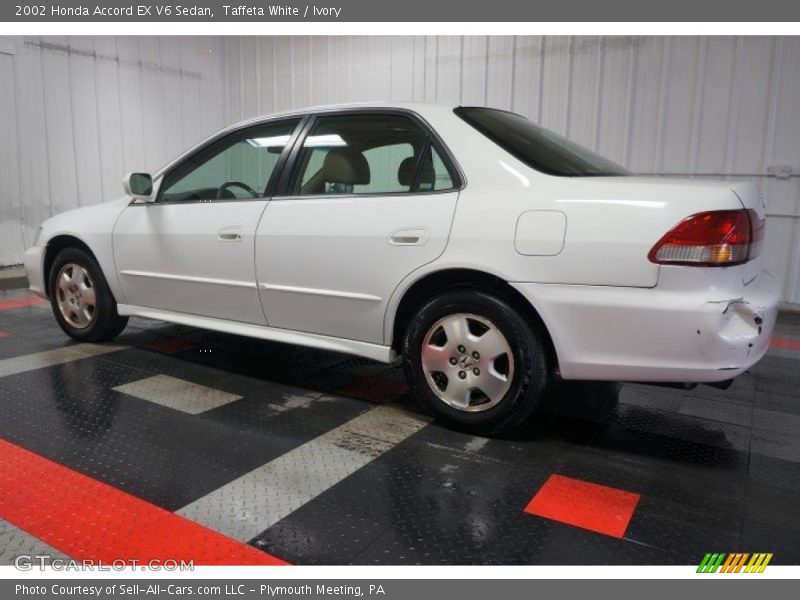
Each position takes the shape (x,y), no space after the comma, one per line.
(733,563)
(758,563)
(711,563)
(87,519)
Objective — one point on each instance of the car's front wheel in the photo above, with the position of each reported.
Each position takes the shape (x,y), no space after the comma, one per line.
(474,362)
(82,303)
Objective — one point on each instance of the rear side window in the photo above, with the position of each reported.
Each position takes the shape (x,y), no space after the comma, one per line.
(537,147)
(366,155)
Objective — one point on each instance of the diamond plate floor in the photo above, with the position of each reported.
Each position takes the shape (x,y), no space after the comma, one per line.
(238,433)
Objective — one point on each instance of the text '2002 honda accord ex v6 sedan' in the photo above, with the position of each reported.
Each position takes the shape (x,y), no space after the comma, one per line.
(489,253)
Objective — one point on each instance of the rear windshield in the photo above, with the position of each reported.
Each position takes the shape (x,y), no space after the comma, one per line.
(537,147)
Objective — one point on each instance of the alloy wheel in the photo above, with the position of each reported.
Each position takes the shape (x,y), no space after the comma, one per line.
(75,295)
(467,362)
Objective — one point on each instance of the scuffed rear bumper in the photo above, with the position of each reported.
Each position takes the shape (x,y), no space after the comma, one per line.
(656,335)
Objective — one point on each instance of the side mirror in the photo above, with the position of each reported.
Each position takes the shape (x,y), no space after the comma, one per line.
(139,185)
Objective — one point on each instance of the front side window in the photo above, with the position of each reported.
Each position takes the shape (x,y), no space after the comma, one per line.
(237,167)
(368,154)
(537,147)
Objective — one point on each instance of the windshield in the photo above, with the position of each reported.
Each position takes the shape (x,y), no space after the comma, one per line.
(537,147)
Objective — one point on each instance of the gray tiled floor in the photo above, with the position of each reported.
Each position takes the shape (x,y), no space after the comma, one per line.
(177,393)
(263,435)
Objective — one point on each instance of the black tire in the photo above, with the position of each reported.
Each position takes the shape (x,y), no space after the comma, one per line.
(530,374)
(106,323)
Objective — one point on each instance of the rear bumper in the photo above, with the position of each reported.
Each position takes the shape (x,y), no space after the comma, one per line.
(656,335)
(34,264)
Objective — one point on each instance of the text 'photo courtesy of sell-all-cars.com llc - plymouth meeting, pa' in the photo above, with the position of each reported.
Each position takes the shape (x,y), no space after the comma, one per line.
(488,254)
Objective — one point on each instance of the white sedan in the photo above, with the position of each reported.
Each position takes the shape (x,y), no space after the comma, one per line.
(489,253)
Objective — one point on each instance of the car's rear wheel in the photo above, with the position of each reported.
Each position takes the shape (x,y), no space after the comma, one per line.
(82,302)
(474,362)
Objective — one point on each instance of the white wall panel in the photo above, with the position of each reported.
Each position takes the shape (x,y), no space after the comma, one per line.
(556,90)
(109,117)
(615,98)
(84,121)
(76,113)
(474,58)
(34,166)
(401,69)
(447,68)
(527,85)
(586,85)
(64,192)
(688,106)
(130,102)
(10,197)
(499,72)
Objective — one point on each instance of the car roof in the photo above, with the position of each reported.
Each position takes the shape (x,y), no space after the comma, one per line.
(419,107)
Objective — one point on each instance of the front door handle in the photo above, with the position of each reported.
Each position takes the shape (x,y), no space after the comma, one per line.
(230,234)
(416,236)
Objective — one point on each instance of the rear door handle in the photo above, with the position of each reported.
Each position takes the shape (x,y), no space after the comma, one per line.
(416,236)
(230,234)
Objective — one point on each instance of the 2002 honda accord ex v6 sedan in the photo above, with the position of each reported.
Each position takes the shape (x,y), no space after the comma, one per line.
(489,253)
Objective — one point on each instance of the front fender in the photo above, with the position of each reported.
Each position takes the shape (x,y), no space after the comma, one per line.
(91,225)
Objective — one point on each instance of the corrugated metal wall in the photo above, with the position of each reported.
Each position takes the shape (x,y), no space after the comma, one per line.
(699,106)
(82,111)
(77,113)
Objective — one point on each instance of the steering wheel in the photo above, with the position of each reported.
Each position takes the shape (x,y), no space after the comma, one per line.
(239,184)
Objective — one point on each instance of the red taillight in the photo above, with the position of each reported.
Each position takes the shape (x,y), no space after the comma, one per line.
(711,239)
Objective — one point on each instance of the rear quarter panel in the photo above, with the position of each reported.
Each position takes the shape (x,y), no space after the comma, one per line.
(611,222)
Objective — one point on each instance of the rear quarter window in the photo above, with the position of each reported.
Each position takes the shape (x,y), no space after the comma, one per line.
(537,147)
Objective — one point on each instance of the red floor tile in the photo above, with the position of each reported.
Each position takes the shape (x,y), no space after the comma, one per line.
(786,343)
(20,302)
(87,519)
(582,504)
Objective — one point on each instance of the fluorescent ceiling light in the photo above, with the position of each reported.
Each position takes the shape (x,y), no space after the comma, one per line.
(277,141)
(324,141)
